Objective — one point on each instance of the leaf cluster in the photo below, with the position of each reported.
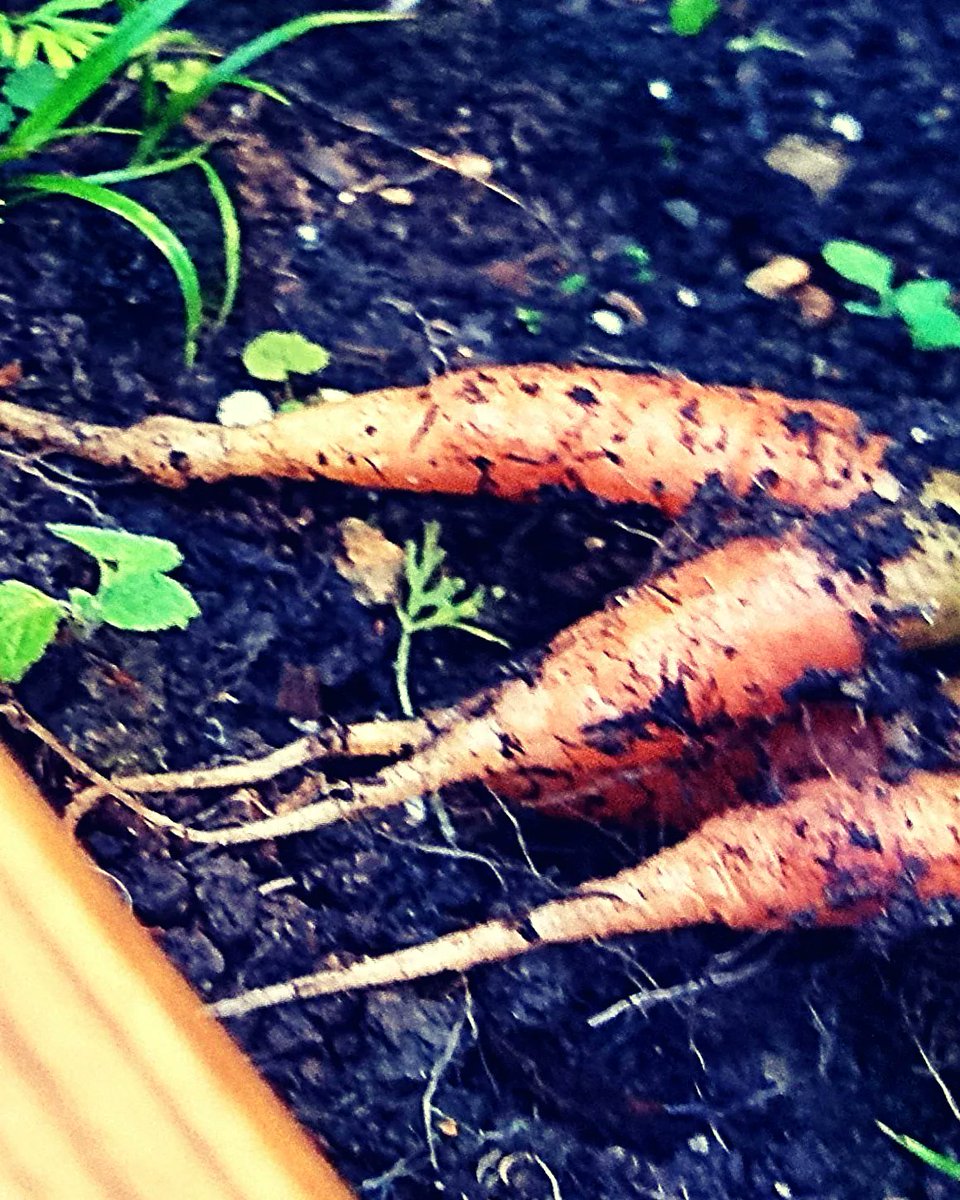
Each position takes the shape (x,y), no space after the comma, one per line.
(433,600)
(135,593)
(53,61)
(922,304)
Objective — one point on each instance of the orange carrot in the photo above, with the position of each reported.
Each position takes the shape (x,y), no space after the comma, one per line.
(509,431)
(830,855)
(719,637)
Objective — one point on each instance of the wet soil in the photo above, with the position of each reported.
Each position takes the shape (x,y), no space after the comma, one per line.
(756,1067)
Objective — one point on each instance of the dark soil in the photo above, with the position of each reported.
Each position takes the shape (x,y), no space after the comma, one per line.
(762,1066)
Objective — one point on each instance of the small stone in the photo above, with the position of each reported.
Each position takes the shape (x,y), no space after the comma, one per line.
(699,1144)
(777,277)
(887,487)
(919,435)
(816,306)
(847,127)
(397,195)
(822,168)
(369,562)
(347,197)
(610,322)
(245,407)
(309,234)
(688,297)
(659,89)
(683,212)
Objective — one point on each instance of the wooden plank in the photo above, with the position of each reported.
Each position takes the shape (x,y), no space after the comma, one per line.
(116,1084)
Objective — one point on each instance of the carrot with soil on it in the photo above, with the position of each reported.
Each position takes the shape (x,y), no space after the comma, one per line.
(831,854)
(719,638)
(508,431)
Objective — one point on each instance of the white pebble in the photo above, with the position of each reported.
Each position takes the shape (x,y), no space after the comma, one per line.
(245,407)
(659,89)
(610,322)
(919,435)
(847,127)
(308,234)
(347,197)
(688,297)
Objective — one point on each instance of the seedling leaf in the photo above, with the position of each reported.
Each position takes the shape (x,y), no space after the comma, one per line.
(860,264)
(689,17)
(115,548)
(28,624)
(924,306)
(276,356)
(144,601)
(29,86)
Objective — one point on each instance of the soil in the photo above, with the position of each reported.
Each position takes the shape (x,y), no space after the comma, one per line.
(757,1066)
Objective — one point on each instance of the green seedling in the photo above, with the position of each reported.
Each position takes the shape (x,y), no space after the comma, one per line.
(433,601)
(922,304)
(530,318)
(942,1162)
(640,257)
(689,17)
(275,356)
(135,593)
(765,38)
(572,285)
(52,63)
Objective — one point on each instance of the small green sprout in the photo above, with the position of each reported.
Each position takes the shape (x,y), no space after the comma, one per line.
(433,601)
(640,257)
(765,38)
(942,1162)
(530,318)
(689,17)
(922,304)
(275,356)
(135,593)
(572,285)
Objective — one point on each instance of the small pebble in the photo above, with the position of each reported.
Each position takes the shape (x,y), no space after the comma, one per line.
(919,435)
(847,127)
(816,305)
(683,212)
(659,89)
(688,297)
(777,277)
(309,234)
(610,322)
(347,197)
(242,408)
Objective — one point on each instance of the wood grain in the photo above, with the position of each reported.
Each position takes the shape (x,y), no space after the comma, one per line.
(116,1084)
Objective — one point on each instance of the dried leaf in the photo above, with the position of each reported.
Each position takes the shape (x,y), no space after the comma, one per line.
(369,562)
(821,167)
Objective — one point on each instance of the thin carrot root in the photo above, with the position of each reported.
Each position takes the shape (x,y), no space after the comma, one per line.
(830,855)
(509,431)
(721,636)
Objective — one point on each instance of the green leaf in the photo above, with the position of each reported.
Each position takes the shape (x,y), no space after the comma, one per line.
(145,602)
(116,548)
(530,318)
(30,86)
(570,285)
(924,306)
(230,230)
(942,1162)
(6,117)
(28,624)
(689,17)
(860,264)
(89,75)
(152,228)
(275,356)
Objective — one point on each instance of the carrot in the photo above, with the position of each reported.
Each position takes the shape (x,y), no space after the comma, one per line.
(830,855)
(719,637)
(509,431)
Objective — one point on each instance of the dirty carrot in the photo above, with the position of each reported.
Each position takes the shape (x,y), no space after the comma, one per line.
(721,636)
(508,431)
(829,855)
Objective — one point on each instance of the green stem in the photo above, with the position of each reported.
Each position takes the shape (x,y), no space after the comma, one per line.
(401,670)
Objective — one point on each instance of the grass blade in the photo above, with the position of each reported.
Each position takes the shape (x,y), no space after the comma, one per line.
(240,59)
(89,75)
(161,167)
(230,226)
(148,223)
(942,1162)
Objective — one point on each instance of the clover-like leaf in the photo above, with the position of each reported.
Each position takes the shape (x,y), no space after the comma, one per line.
(924,306)
(688,17)
(276,356)
(134,552)
(860,264)
(27,87)
(28,624)
(145,602)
